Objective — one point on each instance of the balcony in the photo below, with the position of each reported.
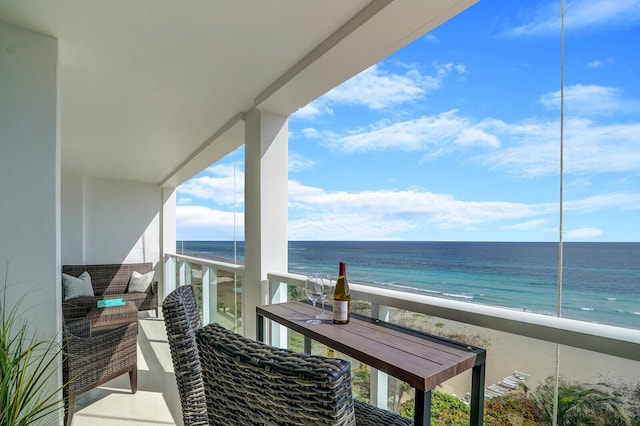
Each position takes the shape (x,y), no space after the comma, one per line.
(522,347)
(108,135)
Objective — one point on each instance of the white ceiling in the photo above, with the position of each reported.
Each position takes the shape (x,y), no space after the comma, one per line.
(148,87)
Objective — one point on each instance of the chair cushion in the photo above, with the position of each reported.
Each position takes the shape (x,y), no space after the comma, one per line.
(75,287)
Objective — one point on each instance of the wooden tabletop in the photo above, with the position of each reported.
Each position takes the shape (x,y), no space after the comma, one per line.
(420,359)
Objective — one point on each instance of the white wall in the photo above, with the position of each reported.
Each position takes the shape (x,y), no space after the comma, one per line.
(110,221)
(30,177)
(72,220)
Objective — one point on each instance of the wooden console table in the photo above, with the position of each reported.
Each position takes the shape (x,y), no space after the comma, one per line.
(420,359)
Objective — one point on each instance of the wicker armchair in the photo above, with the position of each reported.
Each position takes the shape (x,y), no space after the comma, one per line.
(181,319)
(249,382)
(90,361)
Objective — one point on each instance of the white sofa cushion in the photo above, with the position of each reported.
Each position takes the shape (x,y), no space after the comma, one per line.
(139,283)
(75,287)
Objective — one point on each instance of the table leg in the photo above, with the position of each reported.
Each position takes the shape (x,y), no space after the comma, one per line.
(260,328)
(422,414)
(477,394)
(307,344)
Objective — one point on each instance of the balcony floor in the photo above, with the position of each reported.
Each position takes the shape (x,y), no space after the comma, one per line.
(156,402)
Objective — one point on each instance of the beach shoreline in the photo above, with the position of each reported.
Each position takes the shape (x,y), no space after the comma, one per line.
(507,353)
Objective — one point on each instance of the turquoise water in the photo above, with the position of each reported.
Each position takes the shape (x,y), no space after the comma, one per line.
(601,281)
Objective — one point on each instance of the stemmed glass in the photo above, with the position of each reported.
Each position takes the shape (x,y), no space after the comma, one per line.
(327,292)
(313,288)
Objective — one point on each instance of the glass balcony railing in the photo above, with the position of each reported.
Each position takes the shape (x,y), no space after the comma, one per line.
(217,286)
(597,367)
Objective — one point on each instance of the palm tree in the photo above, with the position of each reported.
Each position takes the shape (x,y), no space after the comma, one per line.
(579,404)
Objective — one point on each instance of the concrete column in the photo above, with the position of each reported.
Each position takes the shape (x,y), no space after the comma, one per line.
(30,181)
(266,242)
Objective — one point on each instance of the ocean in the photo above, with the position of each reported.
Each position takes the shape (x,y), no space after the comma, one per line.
(601,281)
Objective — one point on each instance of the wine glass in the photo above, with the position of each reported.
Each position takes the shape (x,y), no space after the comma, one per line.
(313,289)
(327,292)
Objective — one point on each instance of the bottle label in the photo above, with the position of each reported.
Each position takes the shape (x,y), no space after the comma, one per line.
(340,310)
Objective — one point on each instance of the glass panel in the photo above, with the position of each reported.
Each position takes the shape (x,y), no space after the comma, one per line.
(516,367)
(597,389)
(519,381)
(600,283)
(196,274)
(295,293)
(177,273)
(229,299)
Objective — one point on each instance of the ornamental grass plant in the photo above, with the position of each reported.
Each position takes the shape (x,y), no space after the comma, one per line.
(27,367)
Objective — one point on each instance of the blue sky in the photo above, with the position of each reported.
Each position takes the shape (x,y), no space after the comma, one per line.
(456,137)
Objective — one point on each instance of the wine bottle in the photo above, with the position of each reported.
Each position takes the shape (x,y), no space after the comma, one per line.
(342,298)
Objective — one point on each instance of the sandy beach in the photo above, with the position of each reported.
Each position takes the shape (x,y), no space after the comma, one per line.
(507,353)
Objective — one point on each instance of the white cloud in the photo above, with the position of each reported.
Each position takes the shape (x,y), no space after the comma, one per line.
(311,133)
(598,63)
(582,233)
(531,149)
(298,162)
(474,136)
(377,88)
(316,213)
(351,226)
(328,215)
(312,110)
(617,200)
(529,225)
(384,213)
(528,148)
(444,70)
(435,135)
(219,187)
(579,14)
(579,181)
(597,13)
(431,38)
(590,100)
(203,223)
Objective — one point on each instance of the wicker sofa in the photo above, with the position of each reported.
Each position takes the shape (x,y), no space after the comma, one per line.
(110,281)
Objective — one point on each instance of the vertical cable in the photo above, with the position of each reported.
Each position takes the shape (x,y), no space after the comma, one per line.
(235,256)
(235,243)
(560,239)
(561,218)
